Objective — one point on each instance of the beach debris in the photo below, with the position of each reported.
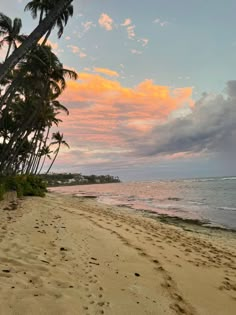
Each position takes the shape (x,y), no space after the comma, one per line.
(6,270)
(137,274)
(45,261)
(63,249)
(93,263)
(174,198)
(6,208)
(89,197)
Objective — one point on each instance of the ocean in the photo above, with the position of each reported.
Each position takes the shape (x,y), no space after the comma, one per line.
(209,200)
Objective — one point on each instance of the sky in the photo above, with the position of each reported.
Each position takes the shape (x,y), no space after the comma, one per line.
(156,93)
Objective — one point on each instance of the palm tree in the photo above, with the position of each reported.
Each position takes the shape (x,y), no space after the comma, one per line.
(33,107)
(35,6)
(58,137)
(48,66)
(43,7)
(46,24)
(10,32)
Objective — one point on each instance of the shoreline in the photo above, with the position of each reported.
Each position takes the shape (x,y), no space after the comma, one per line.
(172,207)
(195,224)
(72,255)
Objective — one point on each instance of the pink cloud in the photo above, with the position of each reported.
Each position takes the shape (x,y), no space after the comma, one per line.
(103,105)
(77,50)
(105,115)
(127,22)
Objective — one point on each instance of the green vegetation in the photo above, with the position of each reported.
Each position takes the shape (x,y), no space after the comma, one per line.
(31,80)
(24,185)
(66,179)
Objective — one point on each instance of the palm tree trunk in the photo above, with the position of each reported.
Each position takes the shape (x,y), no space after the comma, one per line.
(43,143)
(33,149)
(33,38)
(58,149)
(44,159)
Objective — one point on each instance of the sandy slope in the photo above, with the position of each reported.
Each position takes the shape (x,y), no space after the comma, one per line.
(67,255)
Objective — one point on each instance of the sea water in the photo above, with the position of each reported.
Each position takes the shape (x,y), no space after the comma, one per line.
(210,200)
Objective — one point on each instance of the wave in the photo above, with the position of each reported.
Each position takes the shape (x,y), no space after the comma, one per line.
(198,203)
(227,208)
(211,179)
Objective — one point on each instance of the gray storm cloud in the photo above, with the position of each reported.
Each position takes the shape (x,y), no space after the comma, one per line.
(210,127)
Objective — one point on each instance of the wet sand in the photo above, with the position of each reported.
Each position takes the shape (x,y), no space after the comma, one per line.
(68,255)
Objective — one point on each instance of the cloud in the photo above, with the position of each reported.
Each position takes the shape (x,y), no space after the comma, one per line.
(143,41)
(209,128)
(136,52)
(131,32)
(160,22)
(127,22)
(106,22)
(106,71)
(77,50)
(86,28)
(94,89)
(129,28)
(88,25)
(106,117)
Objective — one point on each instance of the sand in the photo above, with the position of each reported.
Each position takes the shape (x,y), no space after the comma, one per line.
(69,255)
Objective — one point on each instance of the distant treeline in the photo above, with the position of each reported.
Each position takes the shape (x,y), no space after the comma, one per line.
(69,179)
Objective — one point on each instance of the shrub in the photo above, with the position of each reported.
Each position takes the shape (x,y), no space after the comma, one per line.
(2,191)
(24,185)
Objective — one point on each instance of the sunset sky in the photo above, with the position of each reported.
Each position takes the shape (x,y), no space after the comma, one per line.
(156,96)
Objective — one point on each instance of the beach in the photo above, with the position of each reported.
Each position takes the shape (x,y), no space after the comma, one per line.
(64,254)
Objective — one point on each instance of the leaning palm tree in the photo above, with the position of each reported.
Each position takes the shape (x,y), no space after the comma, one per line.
(43,8)
(37,6)
(58,137)
(49,67)
(46,24)
(10,32)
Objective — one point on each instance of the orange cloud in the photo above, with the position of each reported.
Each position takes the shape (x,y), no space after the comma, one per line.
(108,120)
(106,71)
(127,22)
(106,22)
(103,112)
(146,98)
